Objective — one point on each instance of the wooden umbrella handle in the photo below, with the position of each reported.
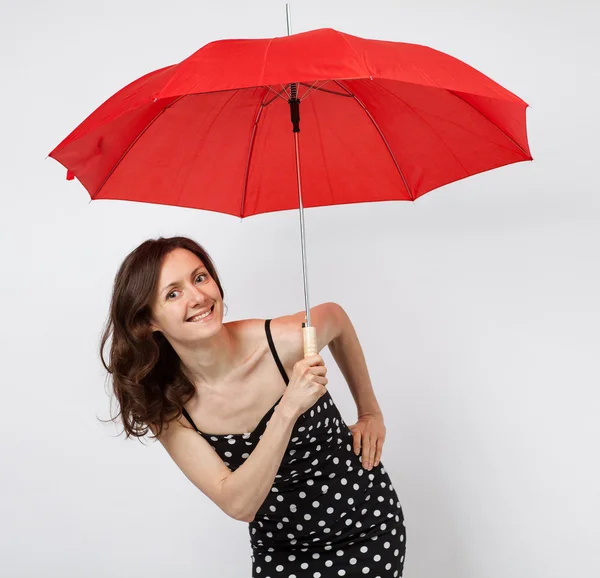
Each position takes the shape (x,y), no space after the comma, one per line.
(310,340)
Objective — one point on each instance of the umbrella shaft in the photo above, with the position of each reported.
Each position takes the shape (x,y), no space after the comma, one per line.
(289,19)
(302,232)
(295,112)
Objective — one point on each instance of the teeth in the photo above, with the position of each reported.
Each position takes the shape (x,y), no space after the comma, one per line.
(198,317)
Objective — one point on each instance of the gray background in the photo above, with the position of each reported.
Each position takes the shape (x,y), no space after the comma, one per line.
(476,305)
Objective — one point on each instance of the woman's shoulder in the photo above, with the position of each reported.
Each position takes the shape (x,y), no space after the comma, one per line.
(286,335)
(288,338)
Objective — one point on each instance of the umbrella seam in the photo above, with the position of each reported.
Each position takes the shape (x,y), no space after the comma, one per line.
(491,122)
(214,120)
(355,53)
(324,157)
(265,59)
(137,138)
(382,138)
(502,145)
(431,128)
(250,151)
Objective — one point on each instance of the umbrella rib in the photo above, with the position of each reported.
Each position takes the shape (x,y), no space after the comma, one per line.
(486,118)
(114,168)
(251,150)
(284,90)
(312,88)
(321,89)
(448,147)
(382,137)
(307,91)
(277,95)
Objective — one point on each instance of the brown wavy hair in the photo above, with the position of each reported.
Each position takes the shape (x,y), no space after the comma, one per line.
(147,378)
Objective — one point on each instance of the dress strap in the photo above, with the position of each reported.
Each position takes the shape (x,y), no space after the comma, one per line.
(277,361)
(274,351)
(188,417)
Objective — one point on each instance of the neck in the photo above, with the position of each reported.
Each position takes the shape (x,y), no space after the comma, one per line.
(211,360)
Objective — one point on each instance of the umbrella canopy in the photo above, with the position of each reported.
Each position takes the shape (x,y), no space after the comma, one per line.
(379,121)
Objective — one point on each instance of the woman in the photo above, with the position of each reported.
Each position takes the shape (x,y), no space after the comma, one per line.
(279,455)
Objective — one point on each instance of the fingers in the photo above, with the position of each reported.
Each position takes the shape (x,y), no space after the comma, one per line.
(316,371)
(368,452)
(306,363)
(320,370)
(315,359)
(371,449)
(378,451)
(371,455)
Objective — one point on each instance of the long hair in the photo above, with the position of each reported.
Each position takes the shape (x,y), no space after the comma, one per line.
(147,378)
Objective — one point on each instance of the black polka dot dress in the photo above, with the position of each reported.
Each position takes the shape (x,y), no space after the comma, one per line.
(325,516)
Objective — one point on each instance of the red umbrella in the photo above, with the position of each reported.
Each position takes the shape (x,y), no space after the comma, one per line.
(380,121)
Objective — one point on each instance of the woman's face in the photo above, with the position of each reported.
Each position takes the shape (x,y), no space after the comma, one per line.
(185,289)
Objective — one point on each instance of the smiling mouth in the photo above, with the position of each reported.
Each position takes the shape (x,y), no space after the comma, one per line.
(211,311)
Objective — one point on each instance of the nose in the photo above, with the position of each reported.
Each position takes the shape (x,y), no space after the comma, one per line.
(199,297)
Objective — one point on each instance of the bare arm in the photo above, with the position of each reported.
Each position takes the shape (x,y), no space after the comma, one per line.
(241,493)
(348,354)
(248,487)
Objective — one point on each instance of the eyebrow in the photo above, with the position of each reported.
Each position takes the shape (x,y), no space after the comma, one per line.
(178,282)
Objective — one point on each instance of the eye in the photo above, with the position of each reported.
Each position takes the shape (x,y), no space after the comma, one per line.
(199,275)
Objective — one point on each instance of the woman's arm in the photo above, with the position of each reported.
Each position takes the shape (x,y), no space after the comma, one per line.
(349,356)
(369,431)
(248,487)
